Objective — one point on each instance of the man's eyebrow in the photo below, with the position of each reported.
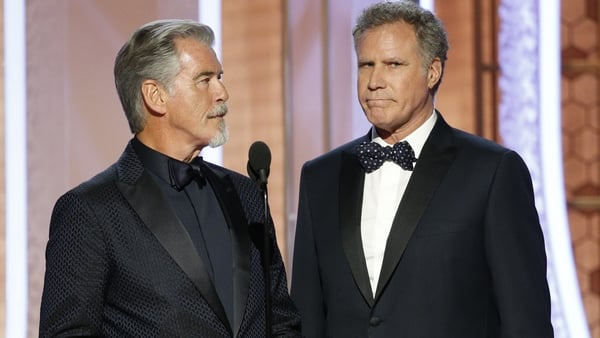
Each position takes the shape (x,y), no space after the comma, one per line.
(208,73)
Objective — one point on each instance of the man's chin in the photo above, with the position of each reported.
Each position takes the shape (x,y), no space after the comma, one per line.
(219,139)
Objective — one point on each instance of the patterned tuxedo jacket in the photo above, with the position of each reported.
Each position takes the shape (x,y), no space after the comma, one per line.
(119,263)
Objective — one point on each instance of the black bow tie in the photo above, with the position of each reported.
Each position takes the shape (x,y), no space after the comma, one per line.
(372,155)
(181,173)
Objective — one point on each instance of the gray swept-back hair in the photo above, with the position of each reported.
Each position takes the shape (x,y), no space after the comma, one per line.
(150,53)
(430,32)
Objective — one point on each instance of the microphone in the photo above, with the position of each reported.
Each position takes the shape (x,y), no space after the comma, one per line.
(259,161)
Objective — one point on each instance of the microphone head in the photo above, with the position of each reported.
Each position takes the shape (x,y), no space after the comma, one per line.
(259,155)
(259,161)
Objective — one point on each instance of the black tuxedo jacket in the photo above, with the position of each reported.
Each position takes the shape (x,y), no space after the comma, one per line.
(464,258)
(119,263)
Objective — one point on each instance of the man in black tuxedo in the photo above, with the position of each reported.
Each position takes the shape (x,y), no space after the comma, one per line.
(159,245)
(416,229)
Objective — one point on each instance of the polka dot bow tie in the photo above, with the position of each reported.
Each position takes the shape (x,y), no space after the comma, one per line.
(372,155)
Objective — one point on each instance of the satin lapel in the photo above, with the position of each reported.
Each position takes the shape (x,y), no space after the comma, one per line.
(240,241)
(433,163)
(146,198)
(352,178)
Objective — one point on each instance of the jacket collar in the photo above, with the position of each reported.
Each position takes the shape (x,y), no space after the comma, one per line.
(146,198)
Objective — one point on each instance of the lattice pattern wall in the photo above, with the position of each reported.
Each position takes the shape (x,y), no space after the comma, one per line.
(581,142)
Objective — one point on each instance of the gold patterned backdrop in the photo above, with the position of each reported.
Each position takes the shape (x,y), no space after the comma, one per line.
(580,42)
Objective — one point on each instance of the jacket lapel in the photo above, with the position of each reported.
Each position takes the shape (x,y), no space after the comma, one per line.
(240,241)
(352,178)
(147,200)
(436,157)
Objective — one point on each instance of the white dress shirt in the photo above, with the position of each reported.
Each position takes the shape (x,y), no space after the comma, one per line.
(382,193)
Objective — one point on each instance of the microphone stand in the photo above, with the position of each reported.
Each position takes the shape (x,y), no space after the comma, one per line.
(267,261)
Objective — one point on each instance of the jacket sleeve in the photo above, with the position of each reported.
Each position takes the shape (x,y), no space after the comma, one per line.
(515,252)
(285,319)
(306,287)
(76,270)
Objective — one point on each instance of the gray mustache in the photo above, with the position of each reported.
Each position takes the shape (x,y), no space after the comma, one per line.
(219,110)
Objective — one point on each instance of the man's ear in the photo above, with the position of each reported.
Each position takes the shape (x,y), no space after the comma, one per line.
(434,73)
(154,96)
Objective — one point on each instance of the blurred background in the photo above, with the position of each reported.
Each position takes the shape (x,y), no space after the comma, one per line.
(522,73)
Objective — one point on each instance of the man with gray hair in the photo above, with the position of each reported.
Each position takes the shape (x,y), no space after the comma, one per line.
(158,244)
(416,229)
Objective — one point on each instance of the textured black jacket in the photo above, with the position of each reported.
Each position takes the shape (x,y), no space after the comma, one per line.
(120,264)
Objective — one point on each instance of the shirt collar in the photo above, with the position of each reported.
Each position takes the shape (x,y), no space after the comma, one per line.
(416,139)
(153,161)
